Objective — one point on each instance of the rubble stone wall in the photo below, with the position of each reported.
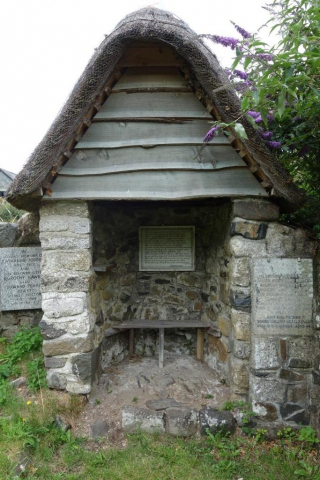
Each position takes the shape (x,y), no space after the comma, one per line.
(125,293)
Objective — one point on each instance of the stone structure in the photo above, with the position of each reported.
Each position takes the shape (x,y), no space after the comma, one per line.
(14,314)
(127,152)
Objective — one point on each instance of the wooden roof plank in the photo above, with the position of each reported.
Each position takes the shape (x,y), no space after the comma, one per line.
(150,78)
(98,161)
(155,104)
(158,185)
(122,134)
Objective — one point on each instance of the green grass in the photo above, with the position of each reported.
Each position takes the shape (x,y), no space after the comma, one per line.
(57,455)
(9,213)
(27,428)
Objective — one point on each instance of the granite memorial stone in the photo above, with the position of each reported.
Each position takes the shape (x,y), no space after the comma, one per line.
(282,296)
(20,278)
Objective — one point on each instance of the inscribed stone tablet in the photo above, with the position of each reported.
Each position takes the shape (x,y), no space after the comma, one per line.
(20,278)
(282,296)
(166,249)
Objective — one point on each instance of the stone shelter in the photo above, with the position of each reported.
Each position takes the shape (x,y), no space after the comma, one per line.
(140,221)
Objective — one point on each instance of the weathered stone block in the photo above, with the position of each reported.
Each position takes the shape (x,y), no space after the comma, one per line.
(84,365)
(68,344)
(134,419)
(57,305)
(240,299)
(219,348)
(8,233)
(240,324)
(298,394)
(265,352)
(181,421)
(63,223)
(55,362)
(292,412)
(239,375)
(249,229)
(28,230)
(56,380)
(216,421)
(240,272)
(260,210)
(66,283)
(242,247)
(127,280)
(190,280)
(224,325)
(267,389)
(302,349)
(62,260)
(290,375)
(280,240)
(78,388)
(298,363)
(53,241)
(49,332)
(66,208)
(267,411)
(241,349)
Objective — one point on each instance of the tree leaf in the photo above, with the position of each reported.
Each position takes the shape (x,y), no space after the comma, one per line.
(240,131)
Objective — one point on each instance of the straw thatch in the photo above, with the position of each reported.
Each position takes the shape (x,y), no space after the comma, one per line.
(143,25)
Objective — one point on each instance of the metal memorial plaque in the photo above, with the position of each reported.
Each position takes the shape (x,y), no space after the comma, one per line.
(20,278)
(166,249)
(282,296)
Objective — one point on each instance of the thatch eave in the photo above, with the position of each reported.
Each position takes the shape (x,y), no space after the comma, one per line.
(148,24)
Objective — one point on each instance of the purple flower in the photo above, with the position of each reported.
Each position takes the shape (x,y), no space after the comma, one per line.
(264,56)
(225,41)
(241,30)
(242,86)
(240,74)
(274,144)
(211,134)
(265,135)
(270,116)
(254,114)
(258,119)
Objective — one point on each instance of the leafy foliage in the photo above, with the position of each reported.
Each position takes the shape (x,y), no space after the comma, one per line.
(9,213)
(25,345)
(279,91)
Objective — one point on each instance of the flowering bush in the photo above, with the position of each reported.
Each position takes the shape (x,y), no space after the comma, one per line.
(279,91)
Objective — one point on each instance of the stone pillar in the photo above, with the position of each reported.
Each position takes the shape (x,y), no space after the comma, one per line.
(272,354)
(66,283)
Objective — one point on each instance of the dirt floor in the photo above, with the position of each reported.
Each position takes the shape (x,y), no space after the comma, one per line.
(138,379)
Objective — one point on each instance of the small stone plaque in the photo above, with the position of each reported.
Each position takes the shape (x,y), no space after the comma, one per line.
(282,296)
(166,249)
(20,278)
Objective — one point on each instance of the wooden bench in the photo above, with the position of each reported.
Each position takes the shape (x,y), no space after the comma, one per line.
(162,325)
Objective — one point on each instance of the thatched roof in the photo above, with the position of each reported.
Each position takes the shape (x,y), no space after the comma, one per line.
(148,24)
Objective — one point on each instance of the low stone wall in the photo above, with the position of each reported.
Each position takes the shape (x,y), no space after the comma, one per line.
(277,369)
(25,233)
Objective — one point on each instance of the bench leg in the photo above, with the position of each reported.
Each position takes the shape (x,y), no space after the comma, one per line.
(200,339)
(161,347)
(131,342)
